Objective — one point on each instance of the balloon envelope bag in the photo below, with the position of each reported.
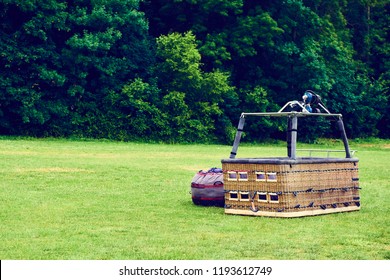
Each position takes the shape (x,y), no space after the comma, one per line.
(207,188)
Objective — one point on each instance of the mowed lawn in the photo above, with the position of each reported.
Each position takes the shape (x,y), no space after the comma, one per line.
(66,199)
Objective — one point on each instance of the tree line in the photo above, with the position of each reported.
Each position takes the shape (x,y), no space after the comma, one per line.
(184,70)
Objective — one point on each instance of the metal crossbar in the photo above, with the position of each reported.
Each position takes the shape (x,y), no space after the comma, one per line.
(291,114)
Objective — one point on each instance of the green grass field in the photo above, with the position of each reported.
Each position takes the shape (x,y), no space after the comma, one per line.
(63,199)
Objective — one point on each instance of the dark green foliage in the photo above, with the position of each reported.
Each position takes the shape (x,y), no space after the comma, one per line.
(285,47)
(138,114)
(184,70)
(30,80)
(192,97)
(61,60)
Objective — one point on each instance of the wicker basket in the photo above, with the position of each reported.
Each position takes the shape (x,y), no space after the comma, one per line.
(285,187)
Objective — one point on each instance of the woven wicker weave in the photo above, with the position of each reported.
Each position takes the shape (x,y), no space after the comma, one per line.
(283,187)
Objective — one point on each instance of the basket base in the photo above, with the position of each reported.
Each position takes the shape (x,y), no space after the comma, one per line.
(291,214)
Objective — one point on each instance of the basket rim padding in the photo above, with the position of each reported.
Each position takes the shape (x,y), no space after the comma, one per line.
(286,160)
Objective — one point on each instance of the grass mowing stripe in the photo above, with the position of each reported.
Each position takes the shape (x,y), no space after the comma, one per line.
(62,199)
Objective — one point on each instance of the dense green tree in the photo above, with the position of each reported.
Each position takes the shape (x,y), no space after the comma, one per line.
(194,99)
(60,60)
(91,68)
(287,46)
(369,23)
(231,38)
(138,113)
(30,78)
(325,61)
